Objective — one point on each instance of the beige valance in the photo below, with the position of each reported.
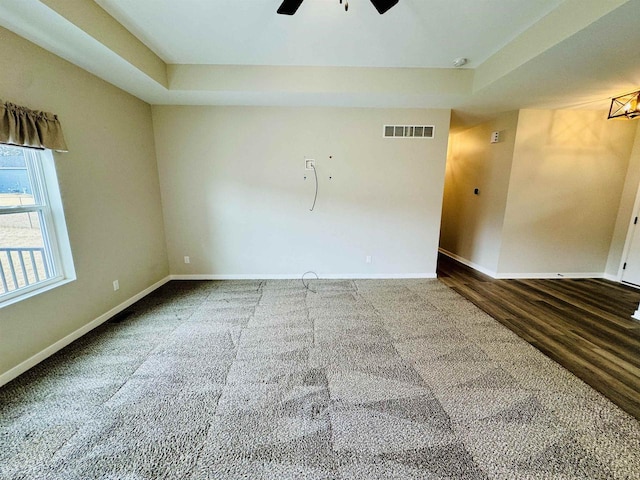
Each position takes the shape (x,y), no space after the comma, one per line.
(30,128)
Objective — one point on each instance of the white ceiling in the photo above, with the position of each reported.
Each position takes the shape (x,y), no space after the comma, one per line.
(523,53)
(414,33)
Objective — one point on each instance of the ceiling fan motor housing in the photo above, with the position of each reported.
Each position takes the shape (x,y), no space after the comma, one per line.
(290,7)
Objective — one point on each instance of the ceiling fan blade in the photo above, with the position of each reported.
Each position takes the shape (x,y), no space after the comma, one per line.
(289,7)
(383,5)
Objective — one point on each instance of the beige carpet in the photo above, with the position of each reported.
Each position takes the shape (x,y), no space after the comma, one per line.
(266,380)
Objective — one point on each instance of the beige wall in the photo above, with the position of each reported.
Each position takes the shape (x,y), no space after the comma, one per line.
(472,224)
(625,212)
(235,199)
(568,173)
(555,195)
(109,186)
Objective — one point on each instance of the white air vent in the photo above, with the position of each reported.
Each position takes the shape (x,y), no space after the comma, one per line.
(408,131)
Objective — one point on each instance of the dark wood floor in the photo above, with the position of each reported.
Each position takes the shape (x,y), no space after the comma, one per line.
(585,325)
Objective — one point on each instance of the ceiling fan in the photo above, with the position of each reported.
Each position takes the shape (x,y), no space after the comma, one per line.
(289,7)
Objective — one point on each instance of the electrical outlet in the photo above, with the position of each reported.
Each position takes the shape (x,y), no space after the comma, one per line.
(309,163)
(187,259)
(116,285)
(368,260)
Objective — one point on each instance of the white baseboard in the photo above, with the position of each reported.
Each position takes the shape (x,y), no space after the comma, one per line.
(525,275)
(612,278)
(211,276)
(632,285)
(378,276)
(545,275)
(298,276)
(468,263)
(19,369)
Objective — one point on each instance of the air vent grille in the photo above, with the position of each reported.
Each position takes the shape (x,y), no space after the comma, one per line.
(408,131)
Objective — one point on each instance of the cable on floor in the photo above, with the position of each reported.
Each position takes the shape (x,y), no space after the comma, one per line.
(306,285)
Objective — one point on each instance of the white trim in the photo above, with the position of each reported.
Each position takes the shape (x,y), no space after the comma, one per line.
(34,289)
(636,314)
(10,210)
(525,275)
(294,276)
(632,285)
(9,375)
(380,276)
(545,275)
(57,251)
(468,263)
(614,278)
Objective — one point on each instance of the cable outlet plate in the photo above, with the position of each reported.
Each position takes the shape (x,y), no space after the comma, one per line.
(309,163)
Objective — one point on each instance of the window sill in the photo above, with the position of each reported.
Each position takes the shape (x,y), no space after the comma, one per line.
(33,290)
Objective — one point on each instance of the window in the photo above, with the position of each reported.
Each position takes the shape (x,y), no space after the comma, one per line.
(34,246)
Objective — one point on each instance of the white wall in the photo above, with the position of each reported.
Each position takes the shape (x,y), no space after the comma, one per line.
(110,191)
(235,199)
(472,224)
(567,177)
